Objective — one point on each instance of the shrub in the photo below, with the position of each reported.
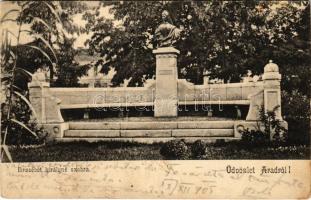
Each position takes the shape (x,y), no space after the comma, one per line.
(198,148)
(18,135)
(175,149)
(254,138)
(296,111)
(272,124)
(258,137)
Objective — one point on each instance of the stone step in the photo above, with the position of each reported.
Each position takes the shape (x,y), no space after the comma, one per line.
(156,119)
(94,126)
(92,133)
(206,125)
(202,132)
(149,140)
(156,125)
(150,133)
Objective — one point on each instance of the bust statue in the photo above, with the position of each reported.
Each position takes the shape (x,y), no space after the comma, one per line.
(166,34)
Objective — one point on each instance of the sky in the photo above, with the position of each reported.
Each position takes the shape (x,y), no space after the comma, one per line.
(5,6)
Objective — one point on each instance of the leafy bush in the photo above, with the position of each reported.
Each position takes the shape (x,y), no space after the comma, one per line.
(175,149)
(258,137)
(272,124)
(296,111)
(17,134)
(254,138)
(198,148)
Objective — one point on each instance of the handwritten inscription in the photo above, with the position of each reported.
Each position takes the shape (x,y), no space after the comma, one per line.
(137,179)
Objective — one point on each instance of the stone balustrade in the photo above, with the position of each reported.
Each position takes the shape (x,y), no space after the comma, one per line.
(163,94)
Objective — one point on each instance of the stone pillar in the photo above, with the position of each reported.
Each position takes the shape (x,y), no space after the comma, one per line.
(272,90)
(166,99)
(46,106)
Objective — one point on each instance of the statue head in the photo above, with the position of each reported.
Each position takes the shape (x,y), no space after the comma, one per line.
(165,15)
(166,33)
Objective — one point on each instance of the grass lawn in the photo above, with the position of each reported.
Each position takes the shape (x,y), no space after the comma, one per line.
(84,151)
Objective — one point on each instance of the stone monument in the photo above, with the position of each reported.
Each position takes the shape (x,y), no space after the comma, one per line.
(167,93)
(166,98)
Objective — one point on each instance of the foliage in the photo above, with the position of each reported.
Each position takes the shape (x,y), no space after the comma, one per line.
(223,37)
(18,135)
(273,130)
(17,114)
(69,70)
(292,53)
(254,138)
(198,148)
(52,21)
(175,149)
(296,111)
(273,125)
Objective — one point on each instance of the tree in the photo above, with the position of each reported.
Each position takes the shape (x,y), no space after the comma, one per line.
(293,54)
(55,33)
(224,38)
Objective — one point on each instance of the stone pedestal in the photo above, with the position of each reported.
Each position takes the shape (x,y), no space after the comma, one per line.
(166,99)
(46,106)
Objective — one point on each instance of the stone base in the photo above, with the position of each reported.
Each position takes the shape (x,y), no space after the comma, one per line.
(151,131)
(165,108)
(55,130)
(239,126)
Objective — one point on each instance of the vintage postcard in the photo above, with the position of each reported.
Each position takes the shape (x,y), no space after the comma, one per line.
(160,99)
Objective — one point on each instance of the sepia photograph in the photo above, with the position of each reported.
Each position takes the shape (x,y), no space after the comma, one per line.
(155,99)
(161,80)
